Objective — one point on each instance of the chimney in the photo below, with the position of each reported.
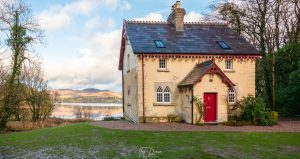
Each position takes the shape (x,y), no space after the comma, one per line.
(176,18)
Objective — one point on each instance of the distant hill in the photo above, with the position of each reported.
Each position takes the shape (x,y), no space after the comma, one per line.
(89,95)
(94,90)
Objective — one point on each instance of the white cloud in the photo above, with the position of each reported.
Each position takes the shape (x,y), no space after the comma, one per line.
(97,23)
(58,16)
(97,65)
(51,21)
(125,5)
(194,17)
(151,17)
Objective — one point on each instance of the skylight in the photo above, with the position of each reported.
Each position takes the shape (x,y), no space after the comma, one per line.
(159,44)
(223,45)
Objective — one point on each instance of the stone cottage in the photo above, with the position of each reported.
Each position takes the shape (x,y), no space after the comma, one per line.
(167,65)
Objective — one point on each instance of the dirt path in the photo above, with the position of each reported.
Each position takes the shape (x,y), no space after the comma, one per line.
(283,126)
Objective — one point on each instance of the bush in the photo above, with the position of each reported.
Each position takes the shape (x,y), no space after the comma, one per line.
(255,111)
(174,118)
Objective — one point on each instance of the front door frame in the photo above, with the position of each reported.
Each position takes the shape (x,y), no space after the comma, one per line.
(216,109)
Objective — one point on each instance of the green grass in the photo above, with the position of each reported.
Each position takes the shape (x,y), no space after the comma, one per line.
(87,141)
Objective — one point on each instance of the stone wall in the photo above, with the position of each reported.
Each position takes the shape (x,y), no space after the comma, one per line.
(243,76)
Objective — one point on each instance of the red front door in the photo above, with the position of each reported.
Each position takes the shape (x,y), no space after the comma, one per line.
(210,105)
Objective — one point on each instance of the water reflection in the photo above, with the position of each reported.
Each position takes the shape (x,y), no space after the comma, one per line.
(94,111)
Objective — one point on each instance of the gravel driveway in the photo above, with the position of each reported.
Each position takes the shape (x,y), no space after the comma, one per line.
(283,126)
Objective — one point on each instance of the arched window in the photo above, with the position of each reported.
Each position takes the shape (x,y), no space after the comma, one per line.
(159,95)
(167,95)
(231,96)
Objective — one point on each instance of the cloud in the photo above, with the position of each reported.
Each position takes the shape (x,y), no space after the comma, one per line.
(59,16)
(97,23)
(151,17)
(194,17)
(96,65)
(125,5)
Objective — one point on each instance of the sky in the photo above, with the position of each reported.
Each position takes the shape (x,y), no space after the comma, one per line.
(82,37)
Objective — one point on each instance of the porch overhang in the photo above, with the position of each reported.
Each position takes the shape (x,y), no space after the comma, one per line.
(208,67)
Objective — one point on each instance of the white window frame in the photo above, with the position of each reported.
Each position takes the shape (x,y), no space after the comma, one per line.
(167,92)
(229,64)
(159,95)
(163,94)
(231,96)
(162,63)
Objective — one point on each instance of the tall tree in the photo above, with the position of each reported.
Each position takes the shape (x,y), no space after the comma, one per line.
(22,31)
(269,25)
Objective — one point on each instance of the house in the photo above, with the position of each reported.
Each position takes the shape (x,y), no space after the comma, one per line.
(166,64)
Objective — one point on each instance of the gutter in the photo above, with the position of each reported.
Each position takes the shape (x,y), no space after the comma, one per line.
(143,87)
(192,102)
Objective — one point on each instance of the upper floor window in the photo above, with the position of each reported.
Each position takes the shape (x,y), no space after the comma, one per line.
(162,64)
(228,65)
(223,45)
(159,44)
(163,95)
(231,96)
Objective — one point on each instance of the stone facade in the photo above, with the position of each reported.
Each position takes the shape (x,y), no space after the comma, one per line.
(242,75)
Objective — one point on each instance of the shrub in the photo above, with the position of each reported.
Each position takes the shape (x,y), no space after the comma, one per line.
(174,118)
(255,111)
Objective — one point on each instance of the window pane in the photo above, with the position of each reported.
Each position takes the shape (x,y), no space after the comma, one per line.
(159,44)
(167,97)
(231,96)
(159,89)
(223,45)
(228,65)
(162,63)
(159,97)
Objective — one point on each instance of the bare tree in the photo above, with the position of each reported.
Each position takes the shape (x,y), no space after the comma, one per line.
(37,96)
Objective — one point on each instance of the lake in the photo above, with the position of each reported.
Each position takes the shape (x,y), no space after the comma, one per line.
(94,111)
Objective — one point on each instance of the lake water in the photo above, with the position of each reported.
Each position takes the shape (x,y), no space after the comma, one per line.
(94,111)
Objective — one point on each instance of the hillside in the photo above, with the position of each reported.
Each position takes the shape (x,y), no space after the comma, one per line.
(89,95)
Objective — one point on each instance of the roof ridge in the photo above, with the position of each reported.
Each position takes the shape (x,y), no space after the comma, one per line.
(164,22)
(144,22)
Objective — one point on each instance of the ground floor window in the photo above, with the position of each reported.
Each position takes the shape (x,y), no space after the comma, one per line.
(163,95)
(231,96)
(159,95)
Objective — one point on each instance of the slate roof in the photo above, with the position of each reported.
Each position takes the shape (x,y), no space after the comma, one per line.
(199,71)
(197,38)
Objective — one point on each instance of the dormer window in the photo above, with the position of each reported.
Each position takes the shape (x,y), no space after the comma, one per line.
(223,45)
(159,44)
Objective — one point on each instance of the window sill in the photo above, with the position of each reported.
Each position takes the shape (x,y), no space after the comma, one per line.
(163,104)
(231,103)
(162,70)
(229,71)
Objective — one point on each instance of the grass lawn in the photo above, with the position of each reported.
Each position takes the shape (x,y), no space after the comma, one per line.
(87,141)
